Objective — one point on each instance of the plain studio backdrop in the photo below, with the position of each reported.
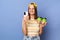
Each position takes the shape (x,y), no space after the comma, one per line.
(11,14)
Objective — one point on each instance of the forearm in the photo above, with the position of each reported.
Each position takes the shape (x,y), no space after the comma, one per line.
(24,31)
(40,32)
(41,29)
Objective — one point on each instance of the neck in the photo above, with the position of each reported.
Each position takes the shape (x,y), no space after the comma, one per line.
(32,16)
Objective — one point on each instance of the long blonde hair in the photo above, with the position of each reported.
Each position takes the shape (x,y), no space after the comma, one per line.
(35,8)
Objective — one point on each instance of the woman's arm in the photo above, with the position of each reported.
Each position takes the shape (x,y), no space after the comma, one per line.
(24,27)
(41,29)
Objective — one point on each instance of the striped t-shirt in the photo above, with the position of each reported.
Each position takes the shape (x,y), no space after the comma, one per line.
(32,27)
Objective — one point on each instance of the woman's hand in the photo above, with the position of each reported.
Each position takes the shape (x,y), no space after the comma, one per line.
(43,24)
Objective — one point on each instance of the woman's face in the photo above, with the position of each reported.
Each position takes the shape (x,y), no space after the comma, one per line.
(31,9)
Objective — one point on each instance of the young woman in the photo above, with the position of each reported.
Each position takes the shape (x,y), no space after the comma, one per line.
(31,26)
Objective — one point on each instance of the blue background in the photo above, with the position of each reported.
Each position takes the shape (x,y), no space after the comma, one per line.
(11,14)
